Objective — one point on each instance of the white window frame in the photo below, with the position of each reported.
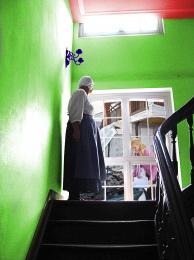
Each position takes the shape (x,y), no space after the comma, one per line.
(125,95)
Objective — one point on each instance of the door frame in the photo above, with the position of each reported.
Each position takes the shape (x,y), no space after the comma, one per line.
(134,93)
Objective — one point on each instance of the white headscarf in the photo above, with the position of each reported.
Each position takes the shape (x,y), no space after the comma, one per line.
(86,81)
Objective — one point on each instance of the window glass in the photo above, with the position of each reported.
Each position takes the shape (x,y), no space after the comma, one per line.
(117,24)
(144,181)
(145,117)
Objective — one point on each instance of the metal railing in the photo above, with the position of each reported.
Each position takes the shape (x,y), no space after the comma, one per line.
(173,225)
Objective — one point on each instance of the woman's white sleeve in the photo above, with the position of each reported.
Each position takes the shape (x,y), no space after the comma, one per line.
(76,107)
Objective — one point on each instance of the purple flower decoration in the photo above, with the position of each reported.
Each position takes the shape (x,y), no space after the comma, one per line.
(79,51)
(80,60)
(71,56)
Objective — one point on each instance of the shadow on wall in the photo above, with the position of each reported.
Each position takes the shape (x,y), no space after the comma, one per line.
(55,145)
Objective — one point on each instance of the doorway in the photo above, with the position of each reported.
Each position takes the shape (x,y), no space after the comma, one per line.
(125,117)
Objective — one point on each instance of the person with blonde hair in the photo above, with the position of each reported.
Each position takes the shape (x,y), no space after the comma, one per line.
(139,149)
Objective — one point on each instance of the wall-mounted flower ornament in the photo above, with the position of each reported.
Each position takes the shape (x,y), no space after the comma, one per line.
(75,57)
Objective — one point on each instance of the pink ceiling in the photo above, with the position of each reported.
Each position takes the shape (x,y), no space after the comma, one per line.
(165,8)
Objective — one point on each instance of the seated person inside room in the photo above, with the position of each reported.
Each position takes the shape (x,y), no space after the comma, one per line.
(144,175)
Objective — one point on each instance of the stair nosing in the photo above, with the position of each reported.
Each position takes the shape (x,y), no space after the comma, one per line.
(106,201)
(98,245)
(151,202)
(99,221)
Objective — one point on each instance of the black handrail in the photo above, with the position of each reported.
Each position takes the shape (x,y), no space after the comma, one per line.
(174,230)
(181,114)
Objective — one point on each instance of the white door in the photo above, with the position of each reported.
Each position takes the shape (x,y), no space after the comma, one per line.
(128,121)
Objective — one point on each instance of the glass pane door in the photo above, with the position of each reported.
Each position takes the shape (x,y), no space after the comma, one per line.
(127,127)
(145,116)
(108,115)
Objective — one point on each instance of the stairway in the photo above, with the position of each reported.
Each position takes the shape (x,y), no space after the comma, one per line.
(99,230)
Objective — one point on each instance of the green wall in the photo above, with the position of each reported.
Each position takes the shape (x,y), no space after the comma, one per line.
(143,62)
(33,38)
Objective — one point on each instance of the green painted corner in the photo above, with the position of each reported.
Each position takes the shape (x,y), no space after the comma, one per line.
(33,39)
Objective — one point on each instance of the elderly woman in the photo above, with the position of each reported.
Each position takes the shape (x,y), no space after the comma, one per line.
(84,167)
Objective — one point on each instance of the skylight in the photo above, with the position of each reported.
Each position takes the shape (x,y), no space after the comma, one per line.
(125,24)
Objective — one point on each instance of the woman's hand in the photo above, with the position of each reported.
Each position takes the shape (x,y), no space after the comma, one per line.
(76,131)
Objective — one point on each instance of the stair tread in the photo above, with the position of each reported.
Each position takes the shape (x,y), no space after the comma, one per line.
(97,252)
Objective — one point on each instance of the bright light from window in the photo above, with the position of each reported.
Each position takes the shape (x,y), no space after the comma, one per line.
(28,136)
(125,24)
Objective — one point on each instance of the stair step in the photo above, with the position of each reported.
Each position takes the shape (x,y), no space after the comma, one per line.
(100,232)
(103,210)
(97,252)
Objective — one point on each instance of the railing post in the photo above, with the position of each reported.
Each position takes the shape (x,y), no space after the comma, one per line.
(190,123)
(174,156)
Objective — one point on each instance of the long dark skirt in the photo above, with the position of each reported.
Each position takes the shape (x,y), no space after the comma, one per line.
(84,167)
